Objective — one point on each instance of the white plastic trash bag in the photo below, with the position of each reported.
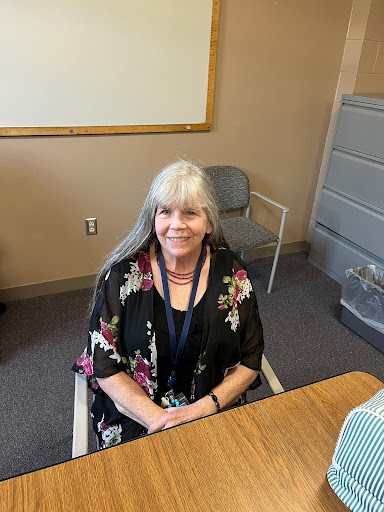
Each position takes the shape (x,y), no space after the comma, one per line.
(363,295)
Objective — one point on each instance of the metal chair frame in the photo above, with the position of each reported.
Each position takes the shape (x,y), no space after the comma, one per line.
(284,212)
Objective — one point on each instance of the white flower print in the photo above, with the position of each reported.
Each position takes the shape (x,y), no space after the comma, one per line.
(141,373)
(233,317)
(245,292)
(239,288)
(132,283)
(110,434)
(98,339)
(153,349)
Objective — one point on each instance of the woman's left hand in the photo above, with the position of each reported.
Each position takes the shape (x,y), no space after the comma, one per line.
(227,392)
(177,415)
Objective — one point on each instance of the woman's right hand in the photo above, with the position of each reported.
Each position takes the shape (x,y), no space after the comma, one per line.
(178,415)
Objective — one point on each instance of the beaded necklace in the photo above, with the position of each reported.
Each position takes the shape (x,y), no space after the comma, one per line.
(183,278)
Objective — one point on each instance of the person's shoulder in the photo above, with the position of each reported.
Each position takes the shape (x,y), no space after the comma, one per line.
(124,267)
(220,251)
(227,254)
(238,263)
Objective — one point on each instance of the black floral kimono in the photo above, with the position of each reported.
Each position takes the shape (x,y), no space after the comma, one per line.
(122,338)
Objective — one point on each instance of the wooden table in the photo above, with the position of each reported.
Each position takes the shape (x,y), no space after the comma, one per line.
(270,455)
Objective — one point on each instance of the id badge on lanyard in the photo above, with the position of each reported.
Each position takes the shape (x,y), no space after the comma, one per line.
(170,400)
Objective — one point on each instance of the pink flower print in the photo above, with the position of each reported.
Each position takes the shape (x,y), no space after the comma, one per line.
(81,360)
(103,426)
(235,297)
(241,275)
(107,334)
(141,379)
(85,361)
(88,366)
(144,369)
(95,386)
(221,306)
(146,284)
(141,370)
(144,263)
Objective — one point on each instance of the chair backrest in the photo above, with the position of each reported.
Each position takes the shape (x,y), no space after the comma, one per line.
(231,186)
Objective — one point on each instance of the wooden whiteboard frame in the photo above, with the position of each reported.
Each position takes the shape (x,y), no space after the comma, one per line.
(121,129)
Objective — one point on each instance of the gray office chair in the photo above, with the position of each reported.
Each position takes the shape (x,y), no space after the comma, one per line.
(231,186)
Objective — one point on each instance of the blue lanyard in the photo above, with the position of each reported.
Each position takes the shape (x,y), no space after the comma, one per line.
(177,351)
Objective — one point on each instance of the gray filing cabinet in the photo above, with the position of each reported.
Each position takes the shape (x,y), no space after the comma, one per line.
(349,229)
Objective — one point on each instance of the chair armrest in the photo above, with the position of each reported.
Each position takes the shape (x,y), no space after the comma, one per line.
(270,376)
(284,212)
(284,208)
(80,417)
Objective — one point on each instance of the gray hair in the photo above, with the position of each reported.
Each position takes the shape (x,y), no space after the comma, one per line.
(182,183)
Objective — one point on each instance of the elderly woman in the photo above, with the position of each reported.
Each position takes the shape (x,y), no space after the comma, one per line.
(174,312)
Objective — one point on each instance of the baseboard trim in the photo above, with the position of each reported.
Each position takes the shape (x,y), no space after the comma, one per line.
(269,250)
(76,283)
(47,288)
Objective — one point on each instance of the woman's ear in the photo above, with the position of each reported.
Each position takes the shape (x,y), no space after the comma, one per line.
(209,229)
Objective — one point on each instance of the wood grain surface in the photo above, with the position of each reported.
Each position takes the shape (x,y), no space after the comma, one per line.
(270,455)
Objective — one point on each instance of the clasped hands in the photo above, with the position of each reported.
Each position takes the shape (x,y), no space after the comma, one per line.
(178,415)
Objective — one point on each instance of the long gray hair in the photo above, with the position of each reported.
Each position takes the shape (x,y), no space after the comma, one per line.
(182,183)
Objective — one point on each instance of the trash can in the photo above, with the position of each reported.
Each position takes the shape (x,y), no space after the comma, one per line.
(363,303)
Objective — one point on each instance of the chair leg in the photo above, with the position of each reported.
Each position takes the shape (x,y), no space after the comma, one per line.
(270,377)
(275,260)
(285,210)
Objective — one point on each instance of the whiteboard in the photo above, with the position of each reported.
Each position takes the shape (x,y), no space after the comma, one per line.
(106,66)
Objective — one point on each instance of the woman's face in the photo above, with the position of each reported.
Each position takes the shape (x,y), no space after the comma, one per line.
(180,231)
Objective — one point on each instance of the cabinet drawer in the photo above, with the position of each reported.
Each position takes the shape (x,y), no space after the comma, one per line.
(361,129)
(334,255)
(357,177)
(360,225)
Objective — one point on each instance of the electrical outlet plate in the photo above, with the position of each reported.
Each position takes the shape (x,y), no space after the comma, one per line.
(91,226)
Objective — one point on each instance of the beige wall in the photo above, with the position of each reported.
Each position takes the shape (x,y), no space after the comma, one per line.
(277,69)
(370,74)
(346,84)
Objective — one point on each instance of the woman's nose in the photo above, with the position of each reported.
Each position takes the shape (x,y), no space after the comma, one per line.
(177,220)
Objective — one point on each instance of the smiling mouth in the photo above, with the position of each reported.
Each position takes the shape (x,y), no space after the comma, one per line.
(178,239)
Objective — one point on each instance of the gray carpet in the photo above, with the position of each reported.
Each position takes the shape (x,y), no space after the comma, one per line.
(41,337)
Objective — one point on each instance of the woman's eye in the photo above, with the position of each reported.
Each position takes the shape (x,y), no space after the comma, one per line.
(191,212)
(165,211)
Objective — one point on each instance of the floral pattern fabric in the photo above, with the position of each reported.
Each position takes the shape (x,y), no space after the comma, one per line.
(122,337)
(138,278)
(239,288)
